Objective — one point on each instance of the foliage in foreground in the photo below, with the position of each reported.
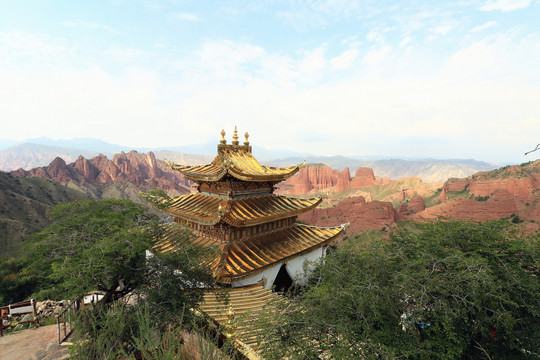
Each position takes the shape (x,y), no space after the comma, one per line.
(102,245)
(128,332)
(442,290)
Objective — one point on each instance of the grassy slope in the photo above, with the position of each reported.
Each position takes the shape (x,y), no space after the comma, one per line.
(24,204)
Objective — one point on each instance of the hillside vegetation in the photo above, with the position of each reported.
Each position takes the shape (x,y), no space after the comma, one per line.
(24,204)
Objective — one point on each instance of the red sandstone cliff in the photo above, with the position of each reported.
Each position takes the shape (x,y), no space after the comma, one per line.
(322,177)
(361,214)
(491,195)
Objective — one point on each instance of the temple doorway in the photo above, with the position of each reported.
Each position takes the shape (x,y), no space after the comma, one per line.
(283,281)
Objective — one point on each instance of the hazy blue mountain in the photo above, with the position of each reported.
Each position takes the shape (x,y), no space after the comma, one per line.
(28,155)
(5,143)
(209,149)
(88,144)
(429,170)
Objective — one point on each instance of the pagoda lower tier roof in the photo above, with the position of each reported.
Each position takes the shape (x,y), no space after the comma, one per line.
(247,211)
(238,164)
(239,259)
(237,311)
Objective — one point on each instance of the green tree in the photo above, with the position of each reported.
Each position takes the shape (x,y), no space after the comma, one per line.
(441,290)
(102,245)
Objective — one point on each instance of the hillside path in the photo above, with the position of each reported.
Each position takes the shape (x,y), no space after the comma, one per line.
(33,344)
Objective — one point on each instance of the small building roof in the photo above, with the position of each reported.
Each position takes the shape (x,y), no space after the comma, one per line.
(236,311)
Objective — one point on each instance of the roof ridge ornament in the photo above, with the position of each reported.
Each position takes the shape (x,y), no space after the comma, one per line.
(246,135)
(235,137)
(223,141)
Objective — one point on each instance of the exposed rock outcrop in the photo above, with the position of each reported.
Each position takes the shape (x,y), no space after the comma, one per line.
(97,175)
(322,177)
(344,179)
(361,214)
(316,177)
(510,192)
(363,177)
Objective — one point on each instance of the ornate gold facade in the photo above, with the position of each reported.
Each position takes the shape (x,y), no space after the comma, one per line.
(251,229)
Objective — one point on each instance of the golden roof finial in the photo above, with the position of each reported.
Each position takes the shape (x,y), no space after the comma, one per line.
(223,141)
(247,136)
(235,137)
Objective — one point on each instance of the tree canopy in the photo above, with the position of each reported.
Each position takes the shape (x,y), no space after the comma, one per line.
(441,290)
(102,245)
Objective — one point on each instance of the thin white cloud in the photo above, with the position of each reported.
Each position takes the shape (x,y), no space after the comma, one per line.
(406,40)
(91,25)
(186,16)
(344,60)
(374,36)
(505,5)
(125,54)
(442,29)
(484,26)
(376,56)
(313,62)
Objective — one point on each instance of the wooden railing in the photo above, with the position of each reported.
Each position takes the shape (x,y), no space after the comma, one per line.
(7,313)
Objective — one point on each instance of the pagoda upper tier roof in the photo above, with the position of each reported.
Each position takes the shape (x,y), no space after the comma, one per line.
(239,164)
(236,260)
(246,211)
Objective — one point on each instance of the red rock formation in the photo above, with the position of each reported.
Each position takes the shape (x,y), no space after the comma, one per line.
(499,205)
(316,177)
(361,214)
(85,168)
(142,170)
(416,204)
(343,180)
(363,177)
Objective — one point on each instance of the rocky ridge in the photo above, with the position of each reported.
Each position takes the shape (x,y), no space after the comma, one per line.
(510,192)
(368,202)
(122,177)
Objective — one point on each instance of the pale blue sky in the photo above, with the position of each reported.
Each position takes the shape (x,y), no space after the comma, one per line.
(444,79)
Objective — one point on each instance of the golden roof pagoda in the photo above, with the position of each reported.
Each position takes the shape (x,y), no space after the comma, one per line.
(258,243)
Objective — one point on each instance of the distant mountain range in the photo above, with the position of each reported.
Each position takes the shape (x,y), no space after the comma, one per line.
(41,151)
(429,170)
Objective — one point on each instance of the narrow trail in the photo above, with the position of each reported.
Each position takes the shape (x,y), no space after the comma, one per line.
(33,344)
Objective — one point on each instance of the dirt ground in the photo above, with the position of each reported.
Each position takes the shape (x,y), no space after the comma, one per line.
(33,344)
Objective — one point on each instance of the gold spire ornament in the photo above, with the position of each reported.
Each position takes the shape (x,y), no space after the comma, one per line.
(246,136)
(223,141)
(235,137)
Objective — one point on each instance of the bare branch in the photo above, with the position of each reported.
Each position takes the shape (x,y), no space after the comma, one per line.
(536,148)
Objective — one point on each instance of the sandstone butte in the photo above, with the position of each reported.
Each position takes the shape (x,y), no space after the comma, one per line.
(143,170)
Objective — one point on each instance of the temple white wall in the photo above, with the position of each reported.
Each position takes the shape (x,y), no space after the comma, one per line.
(297,269)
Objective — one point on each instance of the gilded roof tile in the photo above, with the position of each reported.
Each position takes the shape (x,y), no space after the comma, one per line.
(205,209)
(236,310)
(236,260)
(240,165)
